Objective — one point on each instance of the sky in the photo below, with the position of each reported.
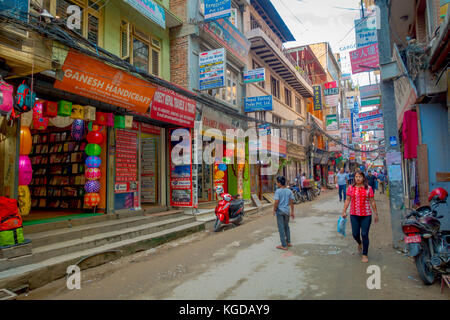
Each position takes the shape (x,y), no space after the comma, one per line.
(313,21)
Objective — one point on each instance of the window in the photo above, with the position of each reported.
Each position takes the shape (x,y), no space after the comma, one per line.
(300,136)
(275,86)
(276,131)
(229,93)
(140,49)
(256,65)
(290,134)
(90,17)
(298,106)
(261,115)
(287,97)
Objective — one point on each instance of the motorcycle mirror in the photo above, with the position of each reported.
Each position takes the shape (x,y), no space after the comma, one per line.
(439,217)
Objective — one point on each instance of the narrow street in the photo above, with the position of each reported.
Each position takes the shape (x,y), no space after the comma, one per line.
(243,263)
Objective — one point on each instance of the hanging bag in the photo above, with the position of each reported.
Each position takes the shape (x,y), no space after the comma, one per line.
(24,98)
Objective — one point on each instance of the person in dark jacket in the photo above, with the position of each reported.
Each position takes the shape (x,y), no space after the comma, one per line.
(372,180)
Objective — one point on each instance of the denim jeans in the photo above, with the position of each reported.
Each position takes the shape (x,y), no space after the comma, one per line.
(342,188)
(283,228)
(360,228)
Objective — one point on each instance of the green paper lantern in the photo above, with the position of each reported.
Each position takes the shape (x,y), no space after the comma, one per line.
(93,149)
(64,108)
(119,122)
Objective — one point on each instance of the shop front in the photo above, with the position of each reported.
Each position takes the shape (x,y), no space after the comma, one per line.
(232,176)
(94,142)
(274,146)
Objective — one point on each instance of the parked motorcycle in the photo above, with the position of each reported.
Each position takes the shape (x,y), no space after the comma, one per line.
(429,245)
(229,210)
(296,191)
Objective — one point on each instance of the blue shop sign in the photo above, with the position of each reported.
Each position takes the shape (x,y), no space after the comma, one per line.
(261,103)
(216,9)
(151,10)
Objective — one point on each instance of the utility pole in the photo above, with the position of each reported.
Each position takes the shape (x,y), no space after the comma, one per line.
(392,145)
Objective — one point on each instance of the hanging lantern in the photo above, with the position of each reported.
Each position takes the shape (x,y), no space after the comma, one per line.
(24,200)
(25,171)
(95,137)
(91,199)
(222,167)
(77,129)
(26,118)
(94,127)
(25,141)
(93,162)
(93,149)
(93,173)
(92,186)
(39,121)
(61,122)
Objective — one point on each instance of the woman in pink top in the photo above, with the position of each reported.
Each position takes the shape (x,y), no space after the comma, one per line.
(361,199)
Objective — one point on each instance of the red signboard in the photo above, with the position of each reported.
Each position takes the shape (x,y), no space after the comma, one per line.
(171,107)
(91,78)
(126,161)
(365,59)
(181,189)
(330,85)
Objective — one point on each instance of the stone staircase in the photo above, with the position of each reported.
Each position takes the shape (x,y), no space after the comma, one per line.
(88,242)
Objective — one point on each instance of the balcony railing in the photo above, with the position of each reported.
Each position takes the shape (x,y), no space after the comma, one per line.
(254,24)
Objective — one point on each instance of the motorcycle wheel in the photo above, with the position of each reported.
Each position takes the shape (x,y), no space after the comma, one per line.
(296,198)
(310,195)
(217,224)
(424,267)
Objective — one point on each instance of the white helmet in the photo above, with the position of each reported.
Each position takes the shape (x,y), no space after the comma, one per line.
(219,190)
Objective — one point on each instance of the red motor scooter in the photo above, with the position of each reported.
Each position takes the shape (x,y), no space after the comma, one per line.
(229,210)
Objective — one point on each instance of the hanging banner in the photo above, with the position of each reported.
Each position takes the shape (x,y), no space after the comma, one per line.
(212,69)
(365,59)
(366,31)
(262,103)
(216,9)
(255,75)
(172,107)
(344,124)
(331,122)
(330,85)
(369,91)
(372,126)
(317,98)
(93,79)
(367,102)
(181,189)
(366,117)
(332,101)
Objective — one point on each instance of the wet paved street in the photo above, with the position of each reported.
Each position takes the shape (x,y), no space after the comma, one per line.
(243,263)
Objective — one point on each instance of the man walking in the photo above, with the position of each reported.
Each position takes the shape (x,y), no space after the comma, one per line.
(382,180)
(284,200)
(371,179)
(341,181)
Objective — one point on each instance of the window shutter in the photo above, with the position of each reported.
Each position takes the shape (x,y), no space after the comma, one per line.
(155,62)
(124,40)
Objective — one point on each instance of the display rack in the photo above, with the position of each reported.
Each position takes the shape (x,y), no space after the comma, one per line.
(58,170)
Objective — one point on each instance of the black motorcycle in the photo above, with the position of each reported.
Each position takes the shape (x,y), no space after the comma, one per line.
(427,243)
(296,191)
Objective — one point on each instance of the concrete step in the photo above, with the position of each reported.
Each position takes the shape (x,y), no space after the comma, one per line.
(208,216)
(65,234)
(35,275)
(91,241)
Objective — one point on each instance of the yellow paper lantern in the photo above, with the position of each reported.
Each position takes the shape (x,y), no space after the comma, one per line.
(24,201)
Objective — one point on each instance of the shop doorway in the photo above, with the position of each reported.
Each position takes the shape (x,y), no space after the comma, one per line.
(150,151)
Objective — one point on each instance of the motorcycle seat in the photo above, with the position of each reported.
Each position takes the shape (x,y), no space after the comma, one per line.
(235,205)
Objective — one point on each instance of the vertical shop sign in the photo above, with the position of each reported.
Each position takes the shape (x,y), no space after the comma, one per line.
(126,161)
(317,98)
(181,189)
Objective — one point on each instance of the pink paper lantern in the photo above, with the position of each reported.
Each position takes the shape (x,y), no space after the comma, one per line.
(25,171)
(93,173)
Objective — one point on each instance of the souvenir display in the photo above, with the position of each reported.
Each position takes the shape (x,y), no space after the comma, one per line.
(77,131)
